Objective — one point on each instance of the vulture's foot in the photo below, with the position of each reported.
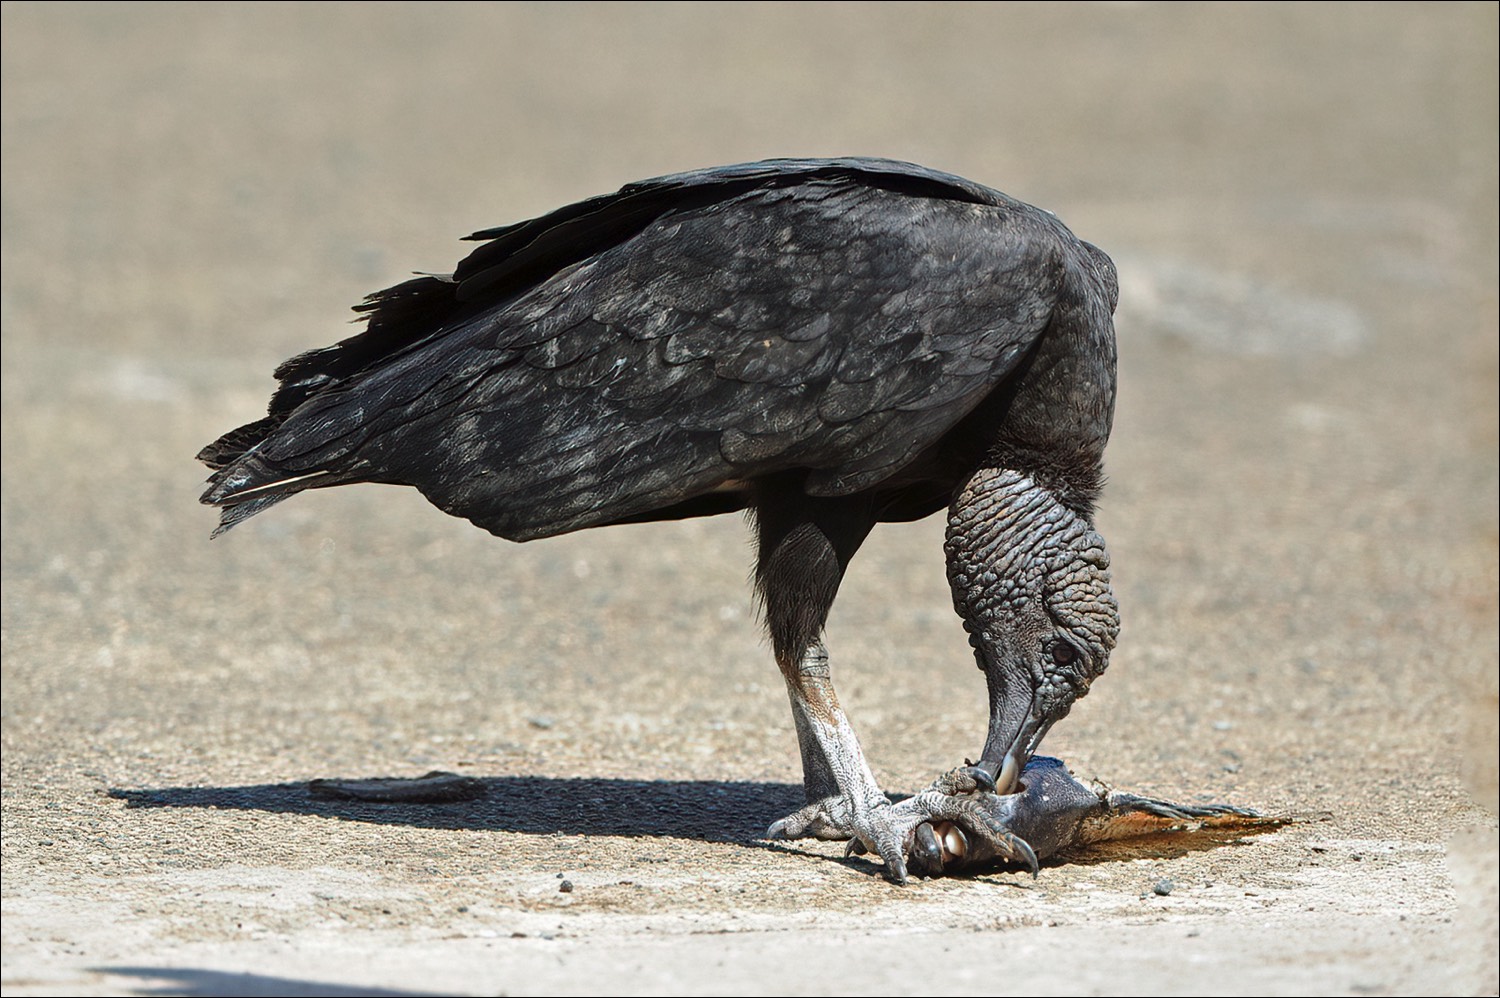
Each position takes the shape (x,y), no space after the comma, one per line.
(876,827)
(961,820)
(896,831)
(830,818)
(1050,810)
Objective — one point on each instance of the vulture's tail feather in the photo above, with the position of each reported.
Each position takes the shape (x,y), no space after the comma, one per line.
(244,484)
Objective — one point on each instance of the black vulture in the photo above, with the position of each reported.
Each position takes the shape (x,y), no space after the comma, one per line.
(827,343)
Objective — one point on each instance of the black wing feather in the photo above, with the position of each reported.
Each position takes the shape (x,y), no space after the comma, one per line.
(634,351)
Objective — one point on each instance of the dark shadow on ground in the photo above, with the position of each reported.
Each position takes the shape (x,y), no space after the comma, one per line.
(536,805)
(195,981)
(697,809)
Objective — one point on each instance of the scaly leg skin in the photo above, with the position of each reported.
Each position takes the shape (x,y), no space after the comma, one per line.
(844,801)
(1051,811)
(828,813)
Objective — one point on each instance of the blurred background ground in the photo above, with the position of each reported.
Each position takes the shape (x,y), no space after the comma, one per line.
(1302,511)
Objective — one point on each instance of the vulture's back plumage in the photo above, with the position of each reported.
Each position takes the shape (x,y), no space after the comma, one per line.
(654,352)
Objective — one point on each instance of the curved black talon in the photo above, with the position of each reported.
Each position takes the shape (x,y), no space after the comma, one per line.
(1022,853)
(981,776)
(926,859)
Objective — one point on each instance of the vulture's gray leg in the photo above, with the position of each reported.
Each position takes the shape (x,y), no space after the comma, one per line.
(805,546)
(837,782)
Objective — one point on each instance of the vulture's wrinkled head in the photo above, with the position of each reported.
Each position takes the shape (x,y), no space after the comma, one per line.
(1030,578)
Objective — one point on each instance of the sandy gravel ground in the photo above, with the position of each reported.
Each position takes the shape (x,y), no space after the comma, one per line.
(1302,513)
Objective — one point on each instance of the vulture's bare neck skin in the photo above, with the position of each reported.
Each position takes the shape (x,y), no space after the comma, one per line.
(1030,577)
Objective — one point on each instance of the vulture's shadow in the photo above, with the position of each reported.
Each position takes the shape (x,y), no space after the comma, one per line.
(690,809)
(536,805)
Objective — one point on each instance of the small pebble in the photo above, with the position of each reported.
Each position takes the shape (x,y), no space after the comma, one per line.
(566,887)
(1162,888)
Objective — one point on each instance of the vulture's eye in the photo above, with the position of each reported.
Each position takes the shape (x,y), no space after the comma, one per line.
(1063,654)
